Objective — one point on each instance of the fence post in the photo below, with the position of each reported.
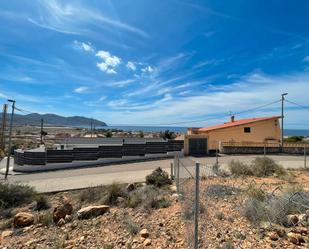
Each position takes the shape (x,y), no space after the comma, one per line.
(177,176)
(197,194)
(217,162)
(305,157)
(264,150)
(172,171)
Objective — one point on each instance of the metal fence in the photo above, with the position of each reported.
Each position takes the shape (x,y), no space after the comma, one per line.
(221,210)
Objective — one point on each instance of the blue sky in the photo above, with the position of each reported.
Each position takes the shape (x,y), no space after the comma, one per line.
(156,62)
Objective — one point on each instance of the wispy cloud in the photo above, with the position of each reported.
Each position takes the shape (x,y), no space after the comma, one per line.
(121,83)
(86,46)
(109,62)
(71,18)
(81,89)
(306,59)
(131,65)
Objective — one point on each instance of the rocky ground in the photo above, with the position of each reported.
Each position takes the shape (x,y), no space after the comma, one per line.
(152,217)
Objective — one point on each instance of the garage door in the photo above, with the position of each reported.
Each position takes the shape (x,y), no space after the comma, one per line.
(197,146)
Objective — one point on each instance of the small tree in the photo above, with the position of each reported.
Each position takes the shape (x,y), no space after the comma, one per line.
(167,134)
(141,134)
(108,134)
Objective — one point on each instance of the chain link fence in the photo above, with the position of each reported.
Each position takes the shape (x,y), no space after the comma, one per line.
(224,210)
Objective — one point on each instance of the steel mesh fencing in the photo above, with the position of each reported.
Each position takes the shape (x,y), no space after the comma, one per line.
(240,211)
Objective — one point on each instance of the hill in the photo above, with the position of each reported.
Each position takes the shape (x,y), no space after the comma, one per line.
(54,120)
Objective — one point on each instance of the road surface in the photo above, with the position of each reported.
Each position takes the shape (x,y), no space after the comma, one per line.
(62,180)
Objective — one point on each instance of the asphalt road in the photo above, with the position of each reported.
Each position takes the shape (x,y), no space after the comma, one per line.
(62,180)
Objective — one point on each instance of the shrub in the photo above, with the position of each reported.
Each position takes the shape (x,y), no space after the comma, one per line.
(131,226)
(91,194)
(254,210)
(41,203)
(220,216)
(256,193)
(239,168)
(112,192)
(265,166)
(148,198)
(46,219)
(158,178)
(15,194)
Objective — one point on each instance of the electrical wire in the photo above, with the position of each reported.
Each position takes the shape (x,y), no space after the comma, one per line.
(299,105)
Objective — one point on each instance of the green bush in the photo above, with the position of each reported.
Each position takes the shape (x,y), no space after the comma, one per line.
(255,210)
(15,194)
(158,178)
(265,166)
(131,226)
(46,219)
(256,193)
(239,168)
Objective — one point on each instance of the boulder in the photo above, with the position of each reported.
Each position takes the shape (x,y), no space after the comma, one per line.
(23,219)
(63,208)
(92,211)
(304,219)
(144,233)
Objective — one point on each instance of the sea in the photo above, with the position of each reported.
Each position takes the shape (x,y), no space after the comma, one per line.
(287,132)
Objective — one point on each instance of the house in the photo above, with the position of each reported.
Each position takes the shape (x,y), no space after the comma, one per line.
(250,130)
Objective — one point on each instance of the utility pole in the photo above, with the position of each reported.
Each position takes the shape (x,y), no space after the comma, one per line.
(282,117)
(42,121)
(3,127)
(10,139)
(91,128)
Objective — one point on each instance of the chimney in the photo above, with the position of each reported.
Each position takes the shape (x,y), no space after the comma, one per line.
(232,118)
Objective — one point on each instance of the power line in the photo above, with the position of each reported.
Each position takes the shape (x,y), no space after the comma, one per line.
(302,106)
(224,116)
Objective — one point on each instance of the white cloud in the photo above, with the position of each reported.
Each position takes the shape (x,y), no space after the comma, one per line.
(86,46)
(148,69)
(131,65)
(102,98)
(81,89)
(306,59)
(109,62)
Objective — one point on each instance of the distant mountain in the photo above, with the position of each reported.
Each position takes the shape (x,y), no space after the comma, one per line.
(54,120)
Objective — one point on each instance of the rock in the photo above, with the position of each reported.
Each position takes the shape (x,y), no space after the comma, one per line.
(144,233)
(304,219)
(273,236)
(62,209)
(6,233)
(61,222)
(120,199)
(147,242)
(292,220)
(23,219)
(173,188)
(130,187)
(295,238)
(68,218)
(92,211)
(281,232)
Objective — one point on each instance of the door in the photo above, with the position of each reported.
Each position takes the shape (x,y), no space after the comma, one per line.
(197,146)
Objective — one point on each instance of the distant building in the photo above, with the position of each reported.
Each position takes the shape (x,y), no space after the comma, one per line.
(253,130)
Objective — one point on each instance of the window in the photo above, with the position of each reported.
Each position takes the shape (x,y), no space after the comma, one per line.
(247,130)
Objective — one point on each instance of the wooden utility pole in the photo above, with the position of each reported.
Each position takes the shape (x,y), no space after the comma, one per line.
(42,121)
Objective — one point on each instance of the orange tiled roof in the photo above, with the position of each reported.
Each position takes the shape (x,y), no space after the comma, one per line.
(237,122)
